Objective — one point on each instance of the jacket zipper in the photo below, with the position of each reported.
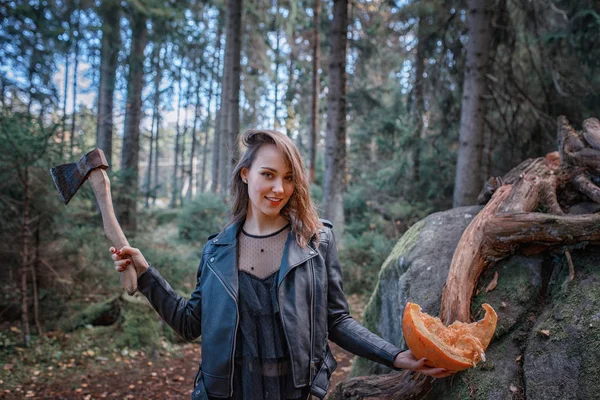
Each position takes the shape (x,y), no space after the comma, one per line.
(237,321)
(312,322)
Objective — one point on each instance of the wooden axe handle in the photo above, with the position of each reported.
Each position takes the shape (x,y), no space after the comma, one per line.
(101,186)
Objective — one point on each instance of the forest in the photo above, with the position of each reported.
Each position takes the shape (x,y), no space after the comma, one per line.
(400,109)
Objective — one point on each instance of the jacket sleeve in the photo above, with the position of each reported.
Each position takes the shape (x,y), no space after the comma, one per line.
(344,330)
(184,316)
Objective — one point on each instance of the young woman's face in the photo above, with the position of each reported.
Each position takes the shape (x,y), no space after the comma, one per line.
(270,182)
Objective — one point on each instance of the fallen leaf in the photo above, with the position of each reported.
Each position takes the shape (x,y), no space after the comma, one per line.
(492,285)
(518,358)
(545,332)
(513,388)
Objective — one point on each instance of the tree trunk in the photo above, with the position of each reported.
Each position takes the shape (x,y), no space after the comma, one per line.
(36,299)
(216,174)
(277,62)
(148,183)
(159,74)
(25,261)
(175,181)
(191,187)
(468,165)
(133,114)
(291,87)
(184,182)
(65,91)
(335,154)
(232,78)
(218,131)
(224,141)
(111,41)
(208,123)
(314,131)
(75,68)
(419,103)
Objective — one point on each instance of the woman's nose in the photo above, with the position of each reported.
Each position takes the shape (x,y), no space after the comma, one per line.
(278,186)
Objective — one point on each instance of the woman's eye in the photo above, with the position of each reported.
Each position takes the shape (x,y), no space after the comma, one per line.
(267,174)
(289,178)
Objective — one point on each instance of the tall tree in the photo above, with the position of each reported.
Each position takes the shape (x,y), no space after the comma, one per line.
(131,137)
(335,152)
(290,27)
(418,104)
(277,61)
(76,35)
(110,12)
(314,131)
(217,136)
(468,182)
(175,179)
(230,110)
(214,68)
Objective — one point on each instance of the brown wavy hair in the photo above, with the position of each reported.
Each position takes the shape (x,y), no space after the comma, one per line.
(299,209)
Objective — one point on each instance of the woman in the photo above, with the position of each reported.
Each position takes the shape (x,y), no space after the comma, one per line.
(269,290)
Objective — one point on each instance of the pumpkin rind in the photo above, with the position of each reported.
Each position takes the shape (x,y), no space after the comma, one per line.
(456,347)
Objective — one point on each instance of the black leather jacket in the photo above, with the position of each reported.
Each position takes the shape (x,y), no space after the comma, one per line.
(313,308)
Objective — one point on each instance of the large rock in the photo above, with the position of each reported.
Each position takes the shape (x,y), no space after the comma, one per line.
(547,342)
(415,270)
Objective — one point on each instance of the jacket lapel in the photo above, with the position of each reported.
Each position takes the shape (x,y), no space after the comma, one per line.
(225,258)
(294,255)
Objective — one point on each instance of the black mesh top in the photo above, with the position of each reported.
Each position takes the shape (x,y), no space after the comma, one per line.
(262,361)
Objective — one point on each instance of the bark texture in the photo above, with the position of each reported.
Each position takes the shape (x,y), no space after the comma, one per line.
(314,131)
(131,138)
(335,152)
(111,41)
(468,164)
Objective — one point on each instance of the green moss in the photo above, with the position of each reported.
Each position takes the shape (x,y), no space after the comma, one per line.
(389,270)
(102,313)
(140,326)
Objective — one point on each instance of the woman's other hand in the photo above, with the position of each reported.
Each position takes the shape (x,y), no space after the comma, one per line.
(121,260)
(407,360)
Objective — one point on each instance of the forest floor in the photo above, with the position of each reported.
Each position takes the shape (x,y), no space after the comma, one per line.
(137,375)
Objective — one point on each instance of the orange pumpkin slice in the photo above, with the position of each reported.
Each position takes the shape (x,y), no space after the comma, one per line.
(456,347)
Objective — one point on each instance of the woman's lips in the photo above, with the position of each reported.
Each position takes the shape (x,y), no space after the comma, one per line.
(274,201)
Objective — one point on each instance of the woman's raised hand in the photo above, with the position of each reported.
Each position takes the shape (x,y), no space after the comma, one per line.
(121,260)
(407,360)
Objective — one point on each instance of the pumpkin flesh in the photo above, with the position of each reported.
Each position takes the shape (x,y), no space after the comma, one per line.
(456,347)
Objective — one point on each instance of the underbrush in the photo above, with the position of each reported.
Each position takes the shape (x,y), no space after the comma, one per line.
(86,317)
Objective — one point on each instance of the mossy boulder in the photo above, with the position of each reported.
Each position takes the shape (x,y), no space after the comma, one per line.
(547,342)
(416,269)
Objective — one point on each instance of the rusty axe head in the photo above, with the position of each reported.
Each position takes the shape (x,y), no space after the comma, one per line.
(69,177)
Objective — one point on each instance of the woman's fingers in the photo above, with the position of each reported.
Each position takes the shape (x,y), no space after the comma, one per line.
(121,265)
(127,250)
(435,372)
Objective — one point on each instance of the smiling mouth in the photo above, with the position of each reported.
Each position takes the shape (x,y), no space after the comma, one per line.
(274,200)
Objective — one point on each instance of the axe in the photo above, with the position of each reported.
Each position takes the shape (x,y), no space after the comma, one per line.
(68,178)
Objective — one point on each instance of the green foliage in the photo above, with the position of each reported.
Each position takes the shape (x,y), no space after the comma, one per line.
(202,217)
(166,216)
(361,257)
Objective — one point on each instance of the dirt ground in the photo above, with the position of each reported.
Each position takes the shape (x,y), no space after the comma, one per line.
(140,377)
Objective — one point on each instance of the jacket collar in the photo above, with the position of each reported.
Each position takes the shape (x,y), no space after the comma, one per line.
(226,242)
